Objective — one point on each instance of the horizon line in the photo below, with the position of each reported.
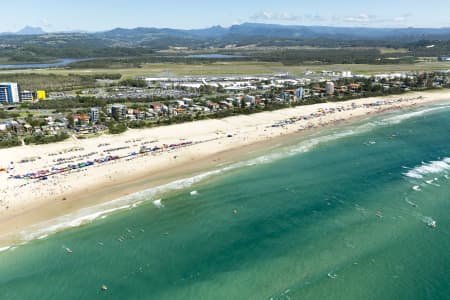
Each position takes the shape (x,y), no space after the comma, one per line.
(217,25)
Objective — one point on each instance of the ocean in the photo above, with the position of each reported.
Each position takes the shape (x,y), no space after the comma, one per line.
(341,213)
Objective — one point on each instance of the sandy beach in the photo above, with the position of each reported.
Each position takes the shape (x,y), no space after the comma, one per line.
(171,153)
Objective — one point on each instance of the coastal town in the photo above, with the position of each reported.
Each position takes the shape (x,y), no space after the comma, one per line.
(54,171)
(40,117)
(224,150)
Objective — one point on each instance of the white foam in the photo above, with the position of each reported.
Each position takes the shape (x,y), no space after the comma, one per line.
(88,218)
(193,193)
(433,167)
(134,205)
(417,188)
(88,215)
(5,248)
(428,220)
(158,203)
(400,118)
(302,147)
(413,175)
(82,217)
(431,182)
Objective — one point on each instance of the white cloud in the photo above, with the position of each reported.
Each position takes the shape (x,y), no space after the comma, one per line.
(402,18)
(275,16)
(362,19)
(367,19)
(45,23)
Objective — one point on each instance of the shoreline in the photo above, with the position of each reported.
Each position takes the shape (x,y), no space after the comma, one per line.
(41,201)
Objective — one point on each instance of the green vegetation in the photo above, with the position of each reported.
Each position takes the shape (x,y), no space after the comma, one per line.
(109,63)
(133,48)
(43,52)
(133,83)
(56,82)
(104,55)
(35,122)
(8,115)
(9,141)
(76,103)
(235,68)
(333,56)
(39,139)
(36,114)
(117,128)
(116,58)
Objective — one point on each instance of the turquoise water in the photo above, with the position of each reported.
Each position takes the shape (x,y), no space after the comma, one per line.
(343,216)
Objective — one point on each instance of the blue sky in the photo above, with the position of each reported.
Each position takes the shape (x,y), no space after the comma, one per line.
(96,15)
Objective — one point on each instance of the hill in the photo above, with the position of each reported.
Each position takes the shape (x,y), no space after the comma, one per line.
(343,44)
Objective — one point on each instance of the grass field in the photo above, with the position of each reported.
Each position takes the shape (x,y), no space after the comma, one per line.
(240,68)
(248,49)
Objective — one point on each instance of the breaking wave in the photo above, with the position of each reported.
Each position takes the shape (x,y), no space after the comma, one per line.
(405,116)
(433,167)
(88,215)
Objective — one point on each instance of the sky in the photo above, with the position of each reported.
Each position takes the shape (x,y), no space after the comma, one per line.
(100,15)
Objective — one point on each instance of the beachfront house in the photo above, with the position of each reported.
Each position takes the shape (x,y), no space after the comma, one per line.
(118,112)
(81,118)
(94,114)
(249,100)
(225,105)
(212,105)
(159,108)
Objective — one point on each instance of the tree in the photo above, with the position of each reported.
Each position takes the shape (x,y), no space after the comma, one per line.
(134,83)
(70,120)
(117,128)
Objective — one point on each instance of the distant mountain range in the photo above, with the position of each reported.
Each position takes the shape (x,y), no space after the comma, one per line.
(264,35)
(264,30)
(121,42)
(290,32)
(27,30)
(287,32)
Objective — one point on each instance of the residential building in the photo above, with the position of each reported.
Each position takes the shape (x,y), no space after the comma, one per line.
(94,114)
(81,118)
(286,97)
(9,93)
(329,88)
(250,100)
(212,105)
(41,95)
(347,74)
(299,93)
(118,112)
(26,96)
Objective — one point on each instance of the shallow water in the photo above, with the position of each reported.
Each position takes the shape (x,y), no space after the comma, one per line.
(341,214)
(60,63)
